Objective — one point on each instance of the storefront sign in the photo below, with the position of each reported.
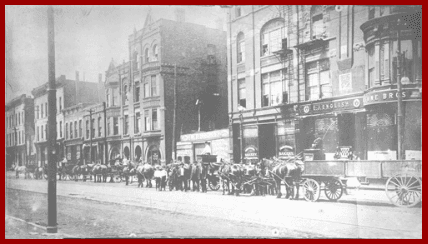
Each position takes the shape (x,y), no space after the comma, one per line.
(251,152)
(390,96)
(286,151)
(382,155)
(413,155)
(335,105)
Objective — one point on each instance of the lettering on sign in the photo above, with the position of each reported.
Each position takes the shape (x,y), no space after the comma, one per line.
(352,103)
(251,152)
(286,151)
(390,95)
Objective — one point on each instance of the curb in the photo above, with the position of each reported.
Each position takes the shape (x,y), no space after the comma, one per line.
(41,227)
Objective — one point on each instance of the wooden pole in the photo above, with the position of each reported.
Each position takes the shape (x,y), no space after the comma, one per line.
(52,168)
(174,114)
(399,100)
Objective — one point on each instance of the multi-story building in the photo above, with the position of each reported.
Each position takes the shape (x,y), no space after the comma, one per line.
(68,93)
(19,131)
(296,73)
(177,71)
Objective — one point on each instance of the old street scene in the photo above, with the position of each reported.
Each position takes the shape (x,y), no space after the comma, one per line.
(213,121)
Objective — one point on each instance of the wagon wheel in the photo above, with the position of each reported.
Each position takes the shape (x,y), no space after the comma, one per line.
(117,178)
(333,189)
(311,190)
(214,185)
(404,190)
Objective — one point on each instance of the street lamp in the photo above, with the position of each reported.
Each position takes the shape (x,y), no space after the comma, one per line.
(241,119)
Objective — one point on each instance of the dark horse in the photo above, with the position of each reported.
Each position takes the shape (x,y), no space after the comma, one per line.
(129,171)
(288,171)
(231,174)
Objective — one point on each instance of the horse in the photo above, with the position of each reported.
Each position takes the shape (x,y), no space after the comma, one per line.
(160,176)
(195,174)
(129,170)
(38,173)
(84,170)
(148,172)
(288,171)
(99,170)
(231,174)
(21,170)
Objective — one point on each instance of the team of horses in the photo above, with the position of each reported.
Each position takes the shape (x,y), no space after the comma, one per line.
(264,177)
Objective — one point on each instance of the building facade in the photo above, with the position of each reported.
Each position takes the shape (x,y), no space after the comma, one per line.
(297,73)
(19,131)
(173,84)
(69,93)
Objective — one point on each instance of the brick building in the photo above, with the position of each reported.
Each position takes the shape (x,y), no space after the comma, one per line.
(19,130)
(169,61)
(296,73)
(68,93)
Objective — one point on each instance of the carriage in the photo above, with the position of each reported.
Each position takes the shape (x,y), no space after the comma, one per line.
(403,178)
(213,179)
(115,174)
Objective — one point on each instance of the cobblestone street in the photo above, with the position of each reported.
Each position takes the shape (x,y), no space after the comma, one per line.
(86,209)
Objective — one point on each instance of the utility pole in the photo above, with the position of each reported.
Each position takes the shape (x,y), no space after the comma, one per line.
(174,114)
(399,99)
(16,146)
(52,168)
(105,133)
(90,132)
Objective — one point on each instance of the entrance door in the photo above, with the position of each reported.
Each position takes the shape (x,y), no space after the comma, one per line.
(267,143)
(346,129)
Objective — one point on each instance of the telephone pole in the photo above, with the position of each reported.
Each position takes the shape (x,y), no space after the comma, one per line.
(399,98)
(52,208)
(174,114)
(90,133)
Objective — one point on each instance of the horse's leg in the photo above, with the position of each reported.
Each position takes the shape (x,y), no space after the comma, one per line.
(278,188)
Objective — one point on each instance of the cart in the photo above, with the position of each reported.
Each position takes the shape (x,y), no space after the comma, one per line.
(213,179)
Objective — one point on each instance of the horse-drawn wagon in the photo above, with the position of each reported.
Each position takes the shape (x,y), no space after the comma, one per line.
(213,179)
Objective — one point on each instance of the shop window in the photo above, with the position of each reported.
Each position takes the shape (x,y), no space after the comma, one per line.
(242,93)
(318,82)
(317,25)
(240,42)
(274,88)
(273,37)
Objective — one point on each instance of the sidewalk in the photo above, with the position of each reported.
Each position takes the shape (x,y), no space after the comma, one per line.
(19,229)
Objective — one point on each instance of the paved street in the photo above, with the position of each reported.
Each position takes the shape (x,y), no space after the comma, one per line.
(87,209)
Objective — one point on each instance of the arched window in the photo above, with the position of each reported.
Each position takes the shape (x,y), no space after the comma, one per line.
(317,26)
(273,37)
(155,52)
(240,47)
(146,55)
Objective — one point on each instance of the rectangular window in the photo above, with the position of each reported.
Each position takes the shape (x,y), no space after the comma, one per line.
(371,65)
(146,87)
(80,128)
(242,93)
(66,130)
(108,127)
(75,130)
(274,88)
(241,51)
(108,98)
(93,128)
(137,122)
(126,125)
(371,12)
(115,93)
(318,81)
(137,92)
(41,111)
(154,119)
(146,120)
(38,133)
(154,86)
(46,109)
(273,40)
(238,12)
(115,126)
(71,130)
(99,127)
(317,25)
(60,129)
(60,104)
(87,129)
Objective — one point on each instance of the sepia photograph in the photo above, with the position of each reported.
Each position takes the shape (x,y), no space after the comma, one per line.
(213,121)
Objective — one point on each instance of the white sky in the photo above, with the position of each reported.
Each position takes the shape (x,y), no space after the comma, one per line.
(87,38)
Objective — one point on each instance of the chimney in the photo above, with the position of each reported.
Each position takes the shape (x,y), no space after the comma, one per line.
(180,15)
(100,78)
(77,75)
(219,23)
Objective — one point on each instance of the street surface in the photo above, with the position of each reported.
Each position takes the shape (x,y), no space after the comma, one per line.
(87,209)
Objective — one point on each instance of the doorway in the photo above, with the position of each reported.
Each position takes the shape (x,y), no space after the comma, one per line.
(267,143)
